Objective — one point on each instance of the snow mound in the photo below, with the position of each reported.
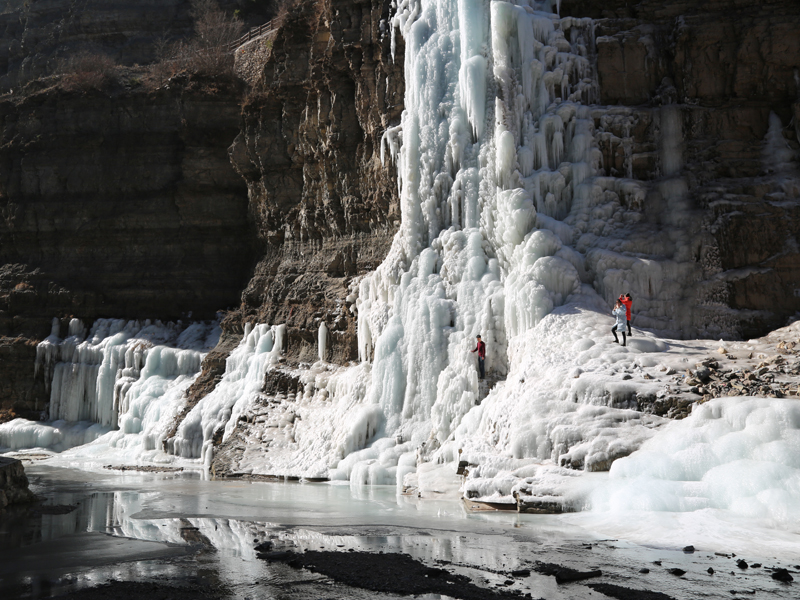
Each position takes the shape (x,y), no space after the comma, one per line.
(738,454)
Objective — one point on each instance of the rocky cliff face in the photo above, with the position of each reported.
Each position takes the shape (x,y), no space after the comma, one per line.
(36,35)
(127,200)
(713,72)
(118,204)
(325,205)
(126,203)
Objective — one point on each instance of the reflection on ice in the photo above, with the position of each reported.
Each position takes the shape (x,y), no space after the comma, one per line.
(175,514)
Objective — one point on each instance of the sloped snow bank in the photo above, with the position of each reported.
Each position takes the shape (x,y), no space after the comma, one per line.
(739,454)
(570,400)
(574,398)
(726,479)
(57,436)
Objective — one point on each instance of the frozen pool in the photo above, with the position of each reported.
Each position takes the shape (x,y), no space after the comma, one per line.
(178,527)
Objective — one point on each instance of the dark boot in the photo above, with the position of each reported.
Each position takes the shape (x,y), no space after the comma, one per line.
(614,332)
(623,338)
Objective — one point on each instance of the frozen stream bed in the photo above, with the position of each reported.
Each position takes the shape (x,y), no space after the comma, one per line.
(159,530)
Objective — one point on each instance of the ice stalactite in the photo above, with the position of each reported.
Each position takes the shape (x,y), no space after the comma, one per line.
(322,340)
(507,215)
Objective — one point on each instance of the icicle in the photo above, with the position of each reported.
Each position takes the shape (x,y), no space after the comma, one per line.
(322,340)
(778,155)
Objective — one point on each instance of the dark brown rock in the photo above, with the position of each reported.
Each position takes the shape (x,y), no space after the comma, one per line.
(13,483)
(565,574)
(118,204)
(725,65)
(21,394)
(127,200)
(36,35)
(391,573)
(325,206)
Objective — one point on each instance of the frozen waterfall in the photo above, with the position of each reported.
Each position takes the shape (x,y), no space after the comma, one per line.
(497,146)
(511,230)
(122,379)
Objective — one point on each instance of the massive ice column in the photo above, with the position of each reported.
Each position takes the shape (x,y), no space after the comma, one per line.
(495,145)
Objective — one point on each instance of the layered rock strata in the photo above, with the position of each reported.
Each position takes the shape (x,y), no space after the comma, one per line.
(325,204)
(35,35)
(117,203)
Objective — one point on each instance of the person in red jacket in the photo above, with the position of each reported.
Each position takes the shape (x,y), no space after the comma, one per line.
(480,348)
(627,302)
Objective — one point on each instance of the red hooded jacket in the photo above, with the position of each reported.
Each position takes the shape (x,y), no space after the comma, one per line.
(626,302)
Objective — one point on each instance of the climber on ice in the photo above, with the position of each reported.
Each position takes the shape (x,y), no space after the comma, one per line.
(481,350)
(619,312)
(627,302)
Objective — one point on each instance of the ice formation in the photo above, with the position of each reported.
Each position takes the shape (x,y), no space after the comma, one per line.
(261,347)
(123,380)
(322,340)
(496,169)
(738,454)
(509,231)
(58,435)
(505,218)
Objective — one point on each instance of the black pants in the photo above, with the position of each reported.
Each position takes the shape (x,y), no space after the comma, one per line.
(629,327)
(614,331)
(480,367)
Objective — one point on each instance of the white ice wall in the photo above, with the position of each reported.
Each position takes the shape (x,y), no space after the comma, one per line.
(123,380)
(495,145)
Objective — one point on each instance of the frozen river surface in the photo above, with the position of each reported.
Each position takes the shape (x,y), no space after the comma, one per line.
(177,529)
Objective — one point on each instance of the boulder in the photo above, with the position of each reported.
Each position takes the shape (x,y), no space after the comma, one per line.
(13,483)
